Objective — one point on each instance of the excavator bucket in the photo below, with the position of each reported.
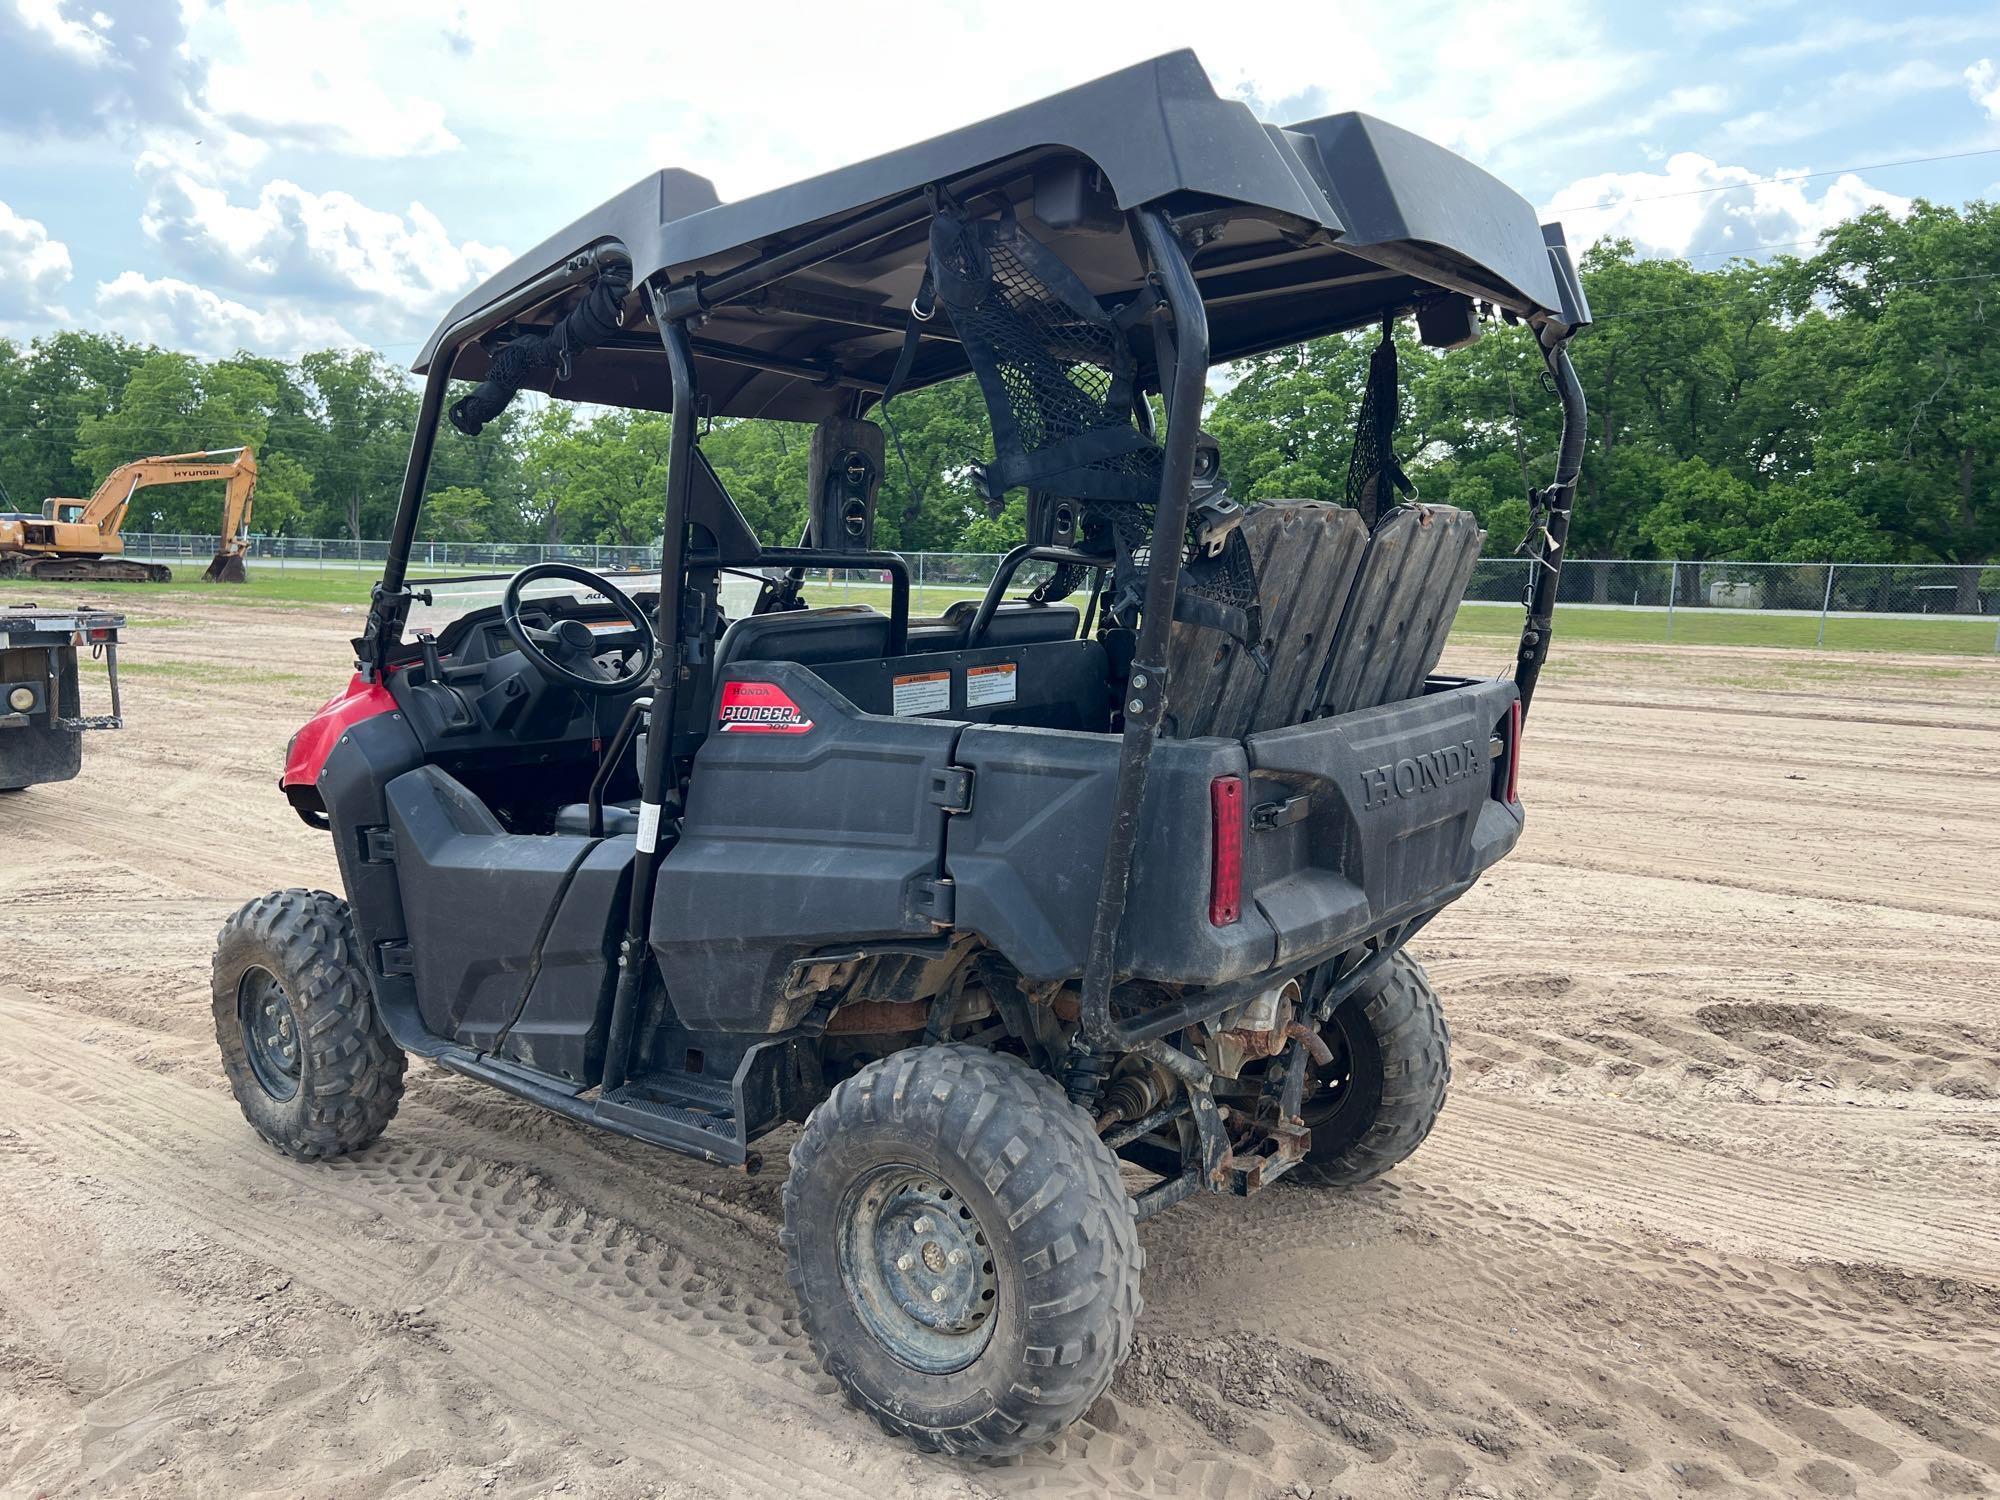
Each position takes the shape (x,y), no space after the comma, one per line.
(225,567)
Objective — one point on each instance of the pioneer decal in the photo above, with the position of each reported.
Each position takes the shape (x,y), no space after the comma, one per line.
(759,708)
(1414,775)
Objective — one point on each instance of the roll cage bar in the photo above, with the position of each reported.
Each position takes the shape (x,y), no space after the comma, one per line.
(1180,328)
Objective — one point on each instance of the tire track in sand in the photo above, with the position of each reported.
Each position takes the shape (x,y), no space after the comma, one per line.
(592,1323)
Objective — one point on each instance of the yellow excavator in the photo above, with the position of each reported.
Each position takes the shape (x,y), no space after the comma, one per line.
(78,541)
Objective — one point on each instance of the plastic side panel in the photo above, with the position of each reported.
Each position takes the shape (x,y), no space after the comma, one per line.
(1025,861)
(361,763)
(794,842)
(563,1027)
(1400,610)
(475,898)
(1306,553)
(1402,815)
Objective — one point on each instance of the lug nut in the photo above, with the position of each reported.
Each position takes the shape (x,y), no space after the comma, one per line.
(956,1258)
(905,1262)
(922,1226)
(937,1294)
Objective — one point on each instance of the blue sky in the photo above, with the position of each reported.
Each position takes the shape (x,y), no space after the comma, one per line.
(210,174)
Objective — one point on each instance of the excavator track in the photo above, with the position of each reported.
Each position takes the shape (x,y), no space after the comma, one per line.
(84,570)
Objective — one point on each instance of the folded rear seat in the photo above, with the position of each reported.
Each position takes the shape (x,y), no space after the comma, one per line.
(1400,610)
(1017,622)
(1351,619)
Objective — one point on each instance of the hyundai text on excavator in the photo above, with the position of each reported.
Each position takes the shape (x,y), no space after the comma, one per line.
(990,906)
(80,541)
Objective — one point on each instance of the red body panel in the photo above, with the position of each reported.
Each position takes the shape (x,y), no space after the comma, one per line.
(360,699)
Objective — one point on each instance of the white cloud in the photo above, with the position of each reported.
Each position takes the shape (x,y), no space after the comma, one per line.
(1835,102)
(298,77)
(93,72)
(178,315)
(1696,206)
(545,106)
(397,271)
(33,271)
(1982,80)
(86,40)
(1851,33)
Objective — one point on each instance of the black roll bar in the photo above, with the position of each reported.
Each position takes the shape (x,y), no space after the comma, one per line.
(892,563)
(670,670)
(390,607)
(1552,535)
(1004,575)
(1145,695)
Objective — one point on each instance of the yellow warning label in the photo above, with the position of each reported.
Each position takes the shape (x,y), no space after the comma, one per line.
(990,684)
(921,693)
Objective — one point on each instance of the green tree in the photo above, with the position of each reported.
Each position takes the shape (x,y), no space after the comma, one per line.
(457,513)
(46,391)
(354,435)
(1911,423)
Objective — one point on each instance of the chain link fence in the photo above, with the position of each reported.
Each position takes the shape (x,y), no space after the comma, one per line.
(1831,605)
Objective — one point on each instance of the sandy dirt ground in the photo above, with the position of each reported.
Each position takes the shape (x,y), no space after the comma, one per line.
(1714,1209)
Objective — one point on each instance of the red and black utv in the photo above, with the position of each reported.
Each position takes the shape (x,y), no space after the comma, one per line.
(994,903)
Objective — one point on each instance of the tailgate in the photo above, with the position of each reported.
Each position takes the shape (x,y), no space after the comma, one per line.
(1352,824)
(1403,807)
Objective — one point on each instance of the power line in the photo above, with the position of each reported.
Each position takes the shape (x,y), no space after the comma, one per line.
(1730,187)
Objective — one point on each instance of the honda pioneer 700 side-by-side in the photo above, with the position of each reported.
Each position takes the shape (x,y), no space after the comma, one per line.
(1116,872)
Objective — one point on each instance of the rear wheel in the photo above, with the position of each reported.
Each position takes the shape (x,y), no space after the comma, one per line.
(1379,1097)
(305,1053)
(964,1254)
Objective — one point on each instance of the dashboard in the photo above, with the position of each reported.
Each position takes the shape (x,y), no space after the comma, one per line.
(482,711)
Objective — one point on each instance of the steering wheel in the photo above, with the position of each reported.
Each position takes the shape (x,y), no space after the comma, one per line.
(569,652)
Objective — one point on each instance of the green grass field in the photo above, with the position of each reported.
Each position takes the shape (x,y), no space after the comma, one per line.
(175,603)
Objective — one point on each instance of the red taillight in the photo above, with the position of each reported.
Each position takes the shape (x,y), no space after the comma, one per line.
(1225,875)
(1514,751)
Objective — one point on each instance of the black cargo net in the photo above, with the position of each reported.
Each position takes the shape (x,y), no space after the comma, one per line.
(1060,382)
(1374,477)
(1056,370)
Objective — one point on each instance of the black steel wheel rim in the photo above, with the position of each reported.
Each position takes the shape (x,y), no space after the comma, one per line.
(1346,1089)
(271,1040)
(917,1268)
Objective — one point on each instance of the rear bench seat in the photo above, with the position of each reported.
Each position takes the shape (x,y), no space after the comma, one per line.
(1017,622)
(842,633)
(1352,620)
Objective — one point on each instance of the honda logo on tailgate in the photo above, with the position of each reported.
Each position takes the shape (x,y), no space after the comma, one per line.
(760,708)
(1414,775)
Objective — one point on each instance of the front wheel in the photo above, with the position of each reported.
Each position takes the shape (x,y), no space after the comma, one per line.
(965,1257)
(1374,1103)
(306,1055)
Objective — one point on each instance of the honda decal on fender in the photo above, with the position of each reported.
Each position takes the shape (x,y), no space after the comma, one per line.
(759,708)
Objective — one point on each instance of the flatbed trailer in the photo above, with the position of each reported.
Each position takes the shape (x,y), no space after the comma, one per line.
(42,722)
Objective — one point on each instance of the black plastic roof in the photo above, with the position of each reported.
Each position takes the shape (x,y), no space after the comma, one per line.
(1324,225)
